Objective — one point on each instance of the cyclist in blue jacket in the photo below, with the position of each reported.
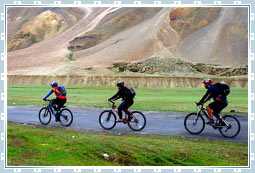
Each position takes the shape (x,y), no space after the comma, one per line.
(219,103)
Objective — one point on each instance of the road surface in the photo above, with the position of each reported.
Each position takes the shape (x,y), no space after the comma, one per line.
(160,123)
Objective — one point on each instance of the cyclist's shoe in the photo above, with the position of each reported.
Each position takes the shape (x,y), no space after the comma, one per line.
(119,120)
(130,118)
(210,122)
(221,123)
(125,121)
(57,117)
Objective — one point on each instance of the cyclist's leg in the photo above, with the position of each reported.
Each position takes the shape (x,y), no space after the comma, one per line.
(61,103)
(210,109)
(220,106)
(54,104)
(120,108)
(129,103)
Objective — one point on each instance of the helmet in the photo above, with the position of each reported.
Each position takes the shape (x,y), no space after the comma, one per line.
(120,84)
(54,84)
(207,81)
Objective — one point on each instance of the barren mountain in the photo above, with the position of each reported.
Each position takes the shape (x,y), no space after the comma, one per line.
(27,26)
(106,36)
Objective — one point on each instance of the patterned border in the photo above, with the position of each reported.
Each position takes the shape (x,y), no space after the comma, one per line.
(3,83)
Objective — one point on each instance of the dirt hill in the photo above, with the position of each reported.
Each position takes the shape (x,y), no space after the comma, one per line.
(216,37)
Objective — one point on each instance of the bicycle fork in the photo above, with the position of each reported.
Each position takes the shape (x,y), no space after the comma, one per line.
(195,121)
(109,116)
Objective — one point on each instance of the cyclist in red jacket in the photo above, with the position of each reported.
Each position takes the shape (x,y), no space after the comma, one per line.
(59,101)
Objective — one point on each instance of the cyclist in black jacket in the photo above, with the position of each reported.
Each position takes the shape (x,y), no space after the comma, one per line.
(128,100)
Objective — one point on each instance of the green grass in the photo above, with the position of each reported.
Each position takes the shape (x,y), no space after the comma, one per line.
(162,99)
(33,146)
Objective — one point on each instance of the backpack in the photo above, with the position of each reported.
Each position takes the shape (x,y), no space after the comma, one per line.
(62,90)
(130,92)
(225,90)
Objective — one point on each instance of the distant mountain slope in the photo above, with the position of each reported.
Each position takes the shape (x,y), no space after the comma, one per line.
(112,24)
(224,41)
(27,26)
(105,36)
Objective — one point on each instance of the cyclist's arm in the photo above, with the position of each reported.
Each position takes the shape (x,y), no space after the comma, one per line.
(51,91)
(115,97)
(206,97)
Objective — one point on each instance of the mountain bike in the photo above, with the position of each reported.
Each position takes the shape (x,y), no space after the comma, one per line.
(65,118)
(108,119)
(228,125)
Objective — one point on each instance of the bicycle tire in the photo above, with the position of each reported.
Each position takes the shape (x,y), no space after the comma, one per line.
(188,118)
(101,119)
(45,113)
(234,119)
(62,118)
(130,123)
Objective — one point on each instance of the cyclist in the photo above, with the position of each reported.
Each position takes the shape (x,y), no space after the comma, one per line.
(219,103)
(59,101)
(127,95)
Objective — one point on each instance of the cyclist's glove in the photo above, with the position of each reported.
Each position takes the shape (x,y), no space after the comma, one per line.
(44,99)
(199,103)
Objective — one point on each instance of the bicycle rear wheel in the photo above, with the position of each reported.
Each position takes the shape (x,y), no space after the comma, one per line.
(66,117)
(232,128)
(45,116)
(107,120)
(138,121)
(194,123)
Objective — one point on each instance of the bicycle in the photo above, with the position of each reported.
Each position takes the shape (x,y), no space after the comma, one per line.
(65,119)
(108,119)
(194,123)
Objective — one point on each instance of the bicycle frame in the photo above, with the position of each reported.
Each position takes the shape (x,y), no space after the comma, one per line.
(204,111)
(50,107)
(114,110)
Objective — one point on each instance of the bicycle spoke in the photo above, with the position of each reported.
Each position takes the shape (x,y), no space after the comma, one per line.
(194,123)
(138,121)
(44,116)
(231,127)
(66,117)
(107,120)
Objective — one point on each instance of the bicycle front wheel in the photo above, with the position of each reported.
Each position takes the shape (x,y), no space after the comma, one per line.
(107,120)
(66,117)
(45,116)
(138,121)
(194,123)
(231,128)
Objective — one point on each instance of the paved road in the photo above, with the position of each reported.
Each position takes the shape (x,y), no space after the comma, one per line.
(163,123)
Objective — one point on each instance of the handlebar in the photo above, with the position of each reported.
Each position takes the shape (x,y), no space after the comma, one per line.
(113,104)
(49,100)
(111,101)
(200,105)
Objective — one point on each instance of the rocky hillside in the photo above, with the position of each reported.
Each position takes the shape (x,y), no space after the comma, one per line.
(111,25)
(224,41)
(165,41)
(27,26)
(188,20)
